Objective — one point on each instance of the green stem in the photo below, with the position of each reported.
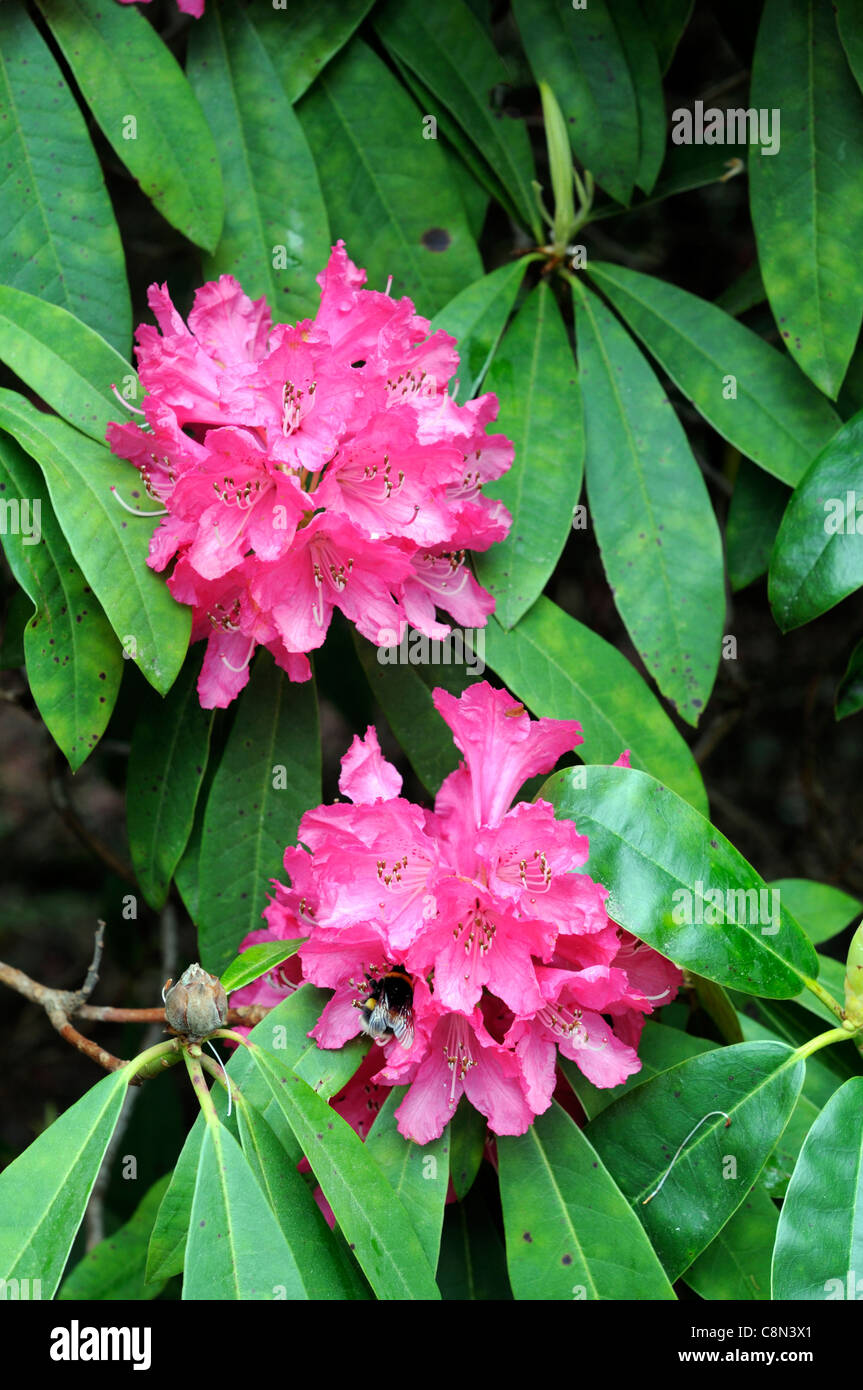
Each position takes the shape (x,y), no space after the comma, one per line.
(155,1059)
(825,996)
(823,1040)
(229,1033)
(199,1082)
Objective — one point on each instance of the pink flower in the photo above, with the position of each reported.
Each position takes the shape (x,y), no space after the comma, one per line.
(486,906)
(310,467)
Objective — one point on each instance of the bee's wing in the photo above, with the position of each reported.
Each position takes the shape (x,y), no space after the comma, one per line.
(376,1022)
(402,1025)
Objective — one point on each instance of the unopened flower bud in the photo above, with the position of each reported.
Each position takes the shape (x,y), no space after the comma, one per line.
(197,1004)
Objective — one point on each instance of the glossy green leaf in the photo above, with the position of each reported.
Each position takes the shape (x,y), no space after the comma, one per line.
(659,1048)
(236,1249)
(167,1244)
(773,1024)
(293,1204)
(255,961)
(270,773)
(647,499)
(580,55)
(642,60)
(679,885)
(472,1264)
(563,670)
(736,1263)
(468,1131)
(58,237)
(807,208)
(754,517)
(407,703)
(831,976)
(371,1216)
(74,661)
(755,1084)
(114,1269)
(418,1174)
(387,184)
(110,546)
(454,58)
(849,695)
(535,379)
(123,66)
(301,40)
(44,1192)
(570,1232)
(821,909)
(167,761)
(776,1173)
(753,395)
(666,20)
(275,239)
(819,1244)
(63,360)
(476,318)
(818,556)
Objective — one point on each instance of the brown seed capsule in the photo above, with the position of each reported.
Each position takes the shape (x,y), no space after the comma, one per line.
(197,1004)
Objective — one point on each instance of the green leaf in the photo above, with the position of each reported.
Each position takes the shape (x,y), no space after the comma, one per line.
(773,416)
(821,910)
(255,961)
(74,662)
(778,1024)
(269,775)
(407,703)
(236,1249)
(666,20)
(292,1202)
(849,694)
(818,556)
(275,239)
(58,237)
(736,1263)
(831,975)
(776,1174)
(659,1048)
(44,1192)
(476,318)
(418,1174)
(643,62)
(807,207)
(561,670)
(755,1084)
(454,58)
(819,1243)
(679,885)
(580,55)
(63,360)
(754,517)
(110,548)
(534,378)
(371,1216)
(301,41)
(394,192)
(647,499)
(167,1246)
(472,1262)
(114,1269)
(122,65)
(468,1131)
(570,1232)
(167,761)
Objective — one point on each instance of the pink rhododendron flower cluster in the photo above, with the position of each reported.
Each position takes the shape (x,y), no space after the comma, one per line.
(513,957)
(311,467)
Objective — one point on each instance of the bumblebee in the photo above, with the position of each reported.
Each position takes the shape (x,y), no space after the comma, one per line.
(387,1011)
